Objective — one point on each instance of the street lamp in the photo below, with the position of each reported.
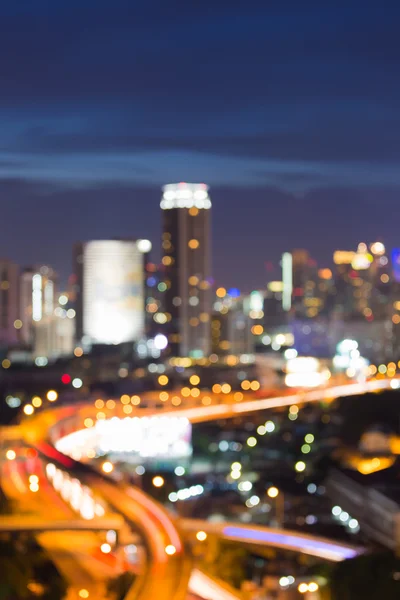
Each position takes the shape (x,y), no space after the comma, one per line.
(158,481)
(278,496)
(107,467)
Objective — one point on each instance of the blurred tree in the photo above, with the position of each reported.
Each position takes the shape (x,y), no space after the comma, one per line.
(118,586)
(4,503)
(15,572)
(46,575)
(226,561)
(24,569)
(362,412)
(367,577)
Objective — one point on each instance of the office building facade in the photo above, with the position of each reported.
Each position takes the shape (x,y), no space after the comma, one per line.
(37,303)
(9,310)
(186,248)
(109,290)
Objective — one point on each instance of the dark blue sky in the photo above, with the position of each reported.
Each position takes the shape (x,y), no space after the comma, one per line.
(288,110)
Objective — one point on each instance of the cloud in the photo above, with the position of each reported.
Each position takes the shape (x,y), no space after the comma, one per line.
(360,143)
(251,225)
(294,95)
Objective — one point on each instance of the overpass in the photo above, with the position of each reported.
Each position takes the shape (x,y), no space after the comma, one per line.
(168,571)
(59,422)
(170,576)
(12,524)
(257,535)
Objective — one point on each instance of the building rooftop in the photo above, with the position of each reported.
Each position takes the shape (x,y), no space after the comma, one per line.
(185,195)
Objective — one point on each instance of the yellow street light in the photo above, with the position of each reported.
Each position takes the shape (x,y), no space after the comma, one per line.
(10,455)
(107,467)
(273,492)
(52,395)
(300,466)
(158,481)
(170,550)
(201,536)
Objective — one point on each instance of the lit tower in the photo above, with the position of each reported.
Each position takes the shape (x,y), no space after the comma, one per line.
(38,291)
(186,246)
(9,312)
(110,290)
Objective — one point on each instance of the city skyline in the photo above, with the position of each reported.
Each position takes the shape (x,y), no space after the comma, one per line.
(304,133)
(199,300)
(228,249)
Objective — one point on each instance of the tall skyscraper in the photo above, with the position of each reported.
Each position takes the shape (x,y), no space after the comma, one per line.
(25,301)
(186,246)
(37,299)
(9,311)
(287,280)
(110,290)
(300,280)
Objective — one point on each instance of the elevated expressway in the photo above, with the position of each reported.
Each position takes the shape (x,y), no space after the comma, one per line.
(169,571)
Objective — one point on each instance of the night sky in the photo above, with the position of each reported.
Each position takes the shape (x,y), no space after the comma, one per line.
(288,110)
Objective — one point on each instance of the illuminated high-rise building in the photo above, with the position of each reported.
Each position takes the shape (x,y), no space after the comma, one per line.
(299,278)
(25,309)
(186,247)
(9,311)
(287,281)
(396,264)
(110,290)
(38,301)
(363,283)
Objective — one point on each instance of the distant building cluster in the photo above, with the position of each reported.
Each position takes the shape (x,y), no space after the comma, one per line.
(118,295)
(358,299)
(37,321)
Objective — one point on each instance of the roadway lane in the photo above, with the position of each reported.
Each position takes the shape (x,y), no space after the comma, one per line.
(34,523)
(312,545)
(230,410)
(75,554)
(166,574)
(63,420)
(165,577)
(209,588)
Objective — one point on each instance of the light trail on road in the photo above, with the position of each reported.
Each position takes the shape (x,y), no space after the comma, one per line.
(168,570)
(295,541)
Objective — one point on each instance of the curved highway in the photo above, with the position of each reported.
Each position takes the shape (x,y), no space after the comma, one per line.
(168,568)
(64,423)
(257,535)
